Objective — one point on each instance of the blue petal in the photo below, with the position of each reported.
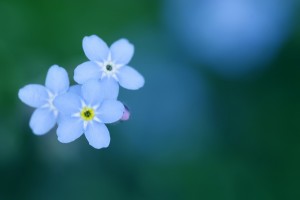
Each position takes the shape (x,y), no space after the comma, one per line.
(110,88)
(76,89)
(121,51)
(57,80)
(86,71)
(69,130)
(130,79)
(95,48)
(97,135)
(42,120)
(68,103)
(92,92)
(33,95)
(111,111)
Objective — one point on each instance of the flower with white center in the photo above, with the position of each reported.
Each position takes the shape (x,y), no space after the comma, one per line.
(42,97)
(108,64)
(87,111)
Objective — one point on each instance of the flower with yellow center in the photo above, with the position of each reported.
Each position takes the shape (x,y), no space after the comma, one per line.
(87,112)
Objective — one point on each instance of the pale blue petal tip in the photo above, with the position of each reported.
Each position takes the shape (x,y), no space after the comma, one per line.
(91,92)
(69,130)
(130,79)
(122,51)
(111,111)
(42,121)
(95,48)
(87,71)
(57,79)
(33,95)
(98,136)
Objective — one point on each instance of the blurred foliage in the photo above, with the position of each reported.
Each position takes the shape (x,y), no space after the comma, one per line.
(192,135)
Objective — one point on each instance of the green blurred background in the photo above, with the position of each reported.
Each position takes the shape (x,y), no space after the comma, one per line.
(193,134)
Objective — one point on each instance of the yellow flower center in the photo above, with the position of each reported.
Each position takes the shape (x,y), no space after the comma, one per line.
(87,114)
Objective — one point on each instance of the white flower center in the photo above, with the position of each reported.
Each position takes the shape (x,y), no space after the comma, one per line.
(109,68)
(50,104)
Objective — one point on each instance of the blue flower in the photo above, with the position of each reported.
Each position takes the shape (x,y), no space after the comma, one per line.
(87,111)
(108,64)
(41,97)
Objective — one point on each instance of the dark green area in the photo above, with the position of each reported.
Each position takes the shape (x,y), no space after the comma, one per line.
(212,138)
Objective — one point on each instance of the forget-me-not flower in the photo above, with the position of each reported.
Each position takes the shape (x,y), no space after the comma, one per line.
(108,64)
(87,111)
(41,97)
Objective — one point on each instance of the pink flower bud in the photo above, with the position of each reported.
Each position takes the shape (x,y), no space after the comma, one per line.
(126,114)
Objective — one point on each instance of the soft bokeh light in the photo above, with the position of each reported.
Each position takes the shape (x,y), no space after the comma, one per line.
(233,37)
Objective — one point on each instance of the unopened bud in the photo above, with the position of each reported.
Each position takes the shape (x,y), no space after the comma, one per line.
(126,114)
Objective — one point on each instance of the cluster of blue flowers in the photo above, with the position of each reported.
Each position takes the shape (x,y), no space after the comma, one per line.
(84,108)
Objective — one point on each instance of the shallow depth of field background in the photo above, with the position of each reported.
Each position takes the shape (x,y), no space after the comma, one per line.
(218,117)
